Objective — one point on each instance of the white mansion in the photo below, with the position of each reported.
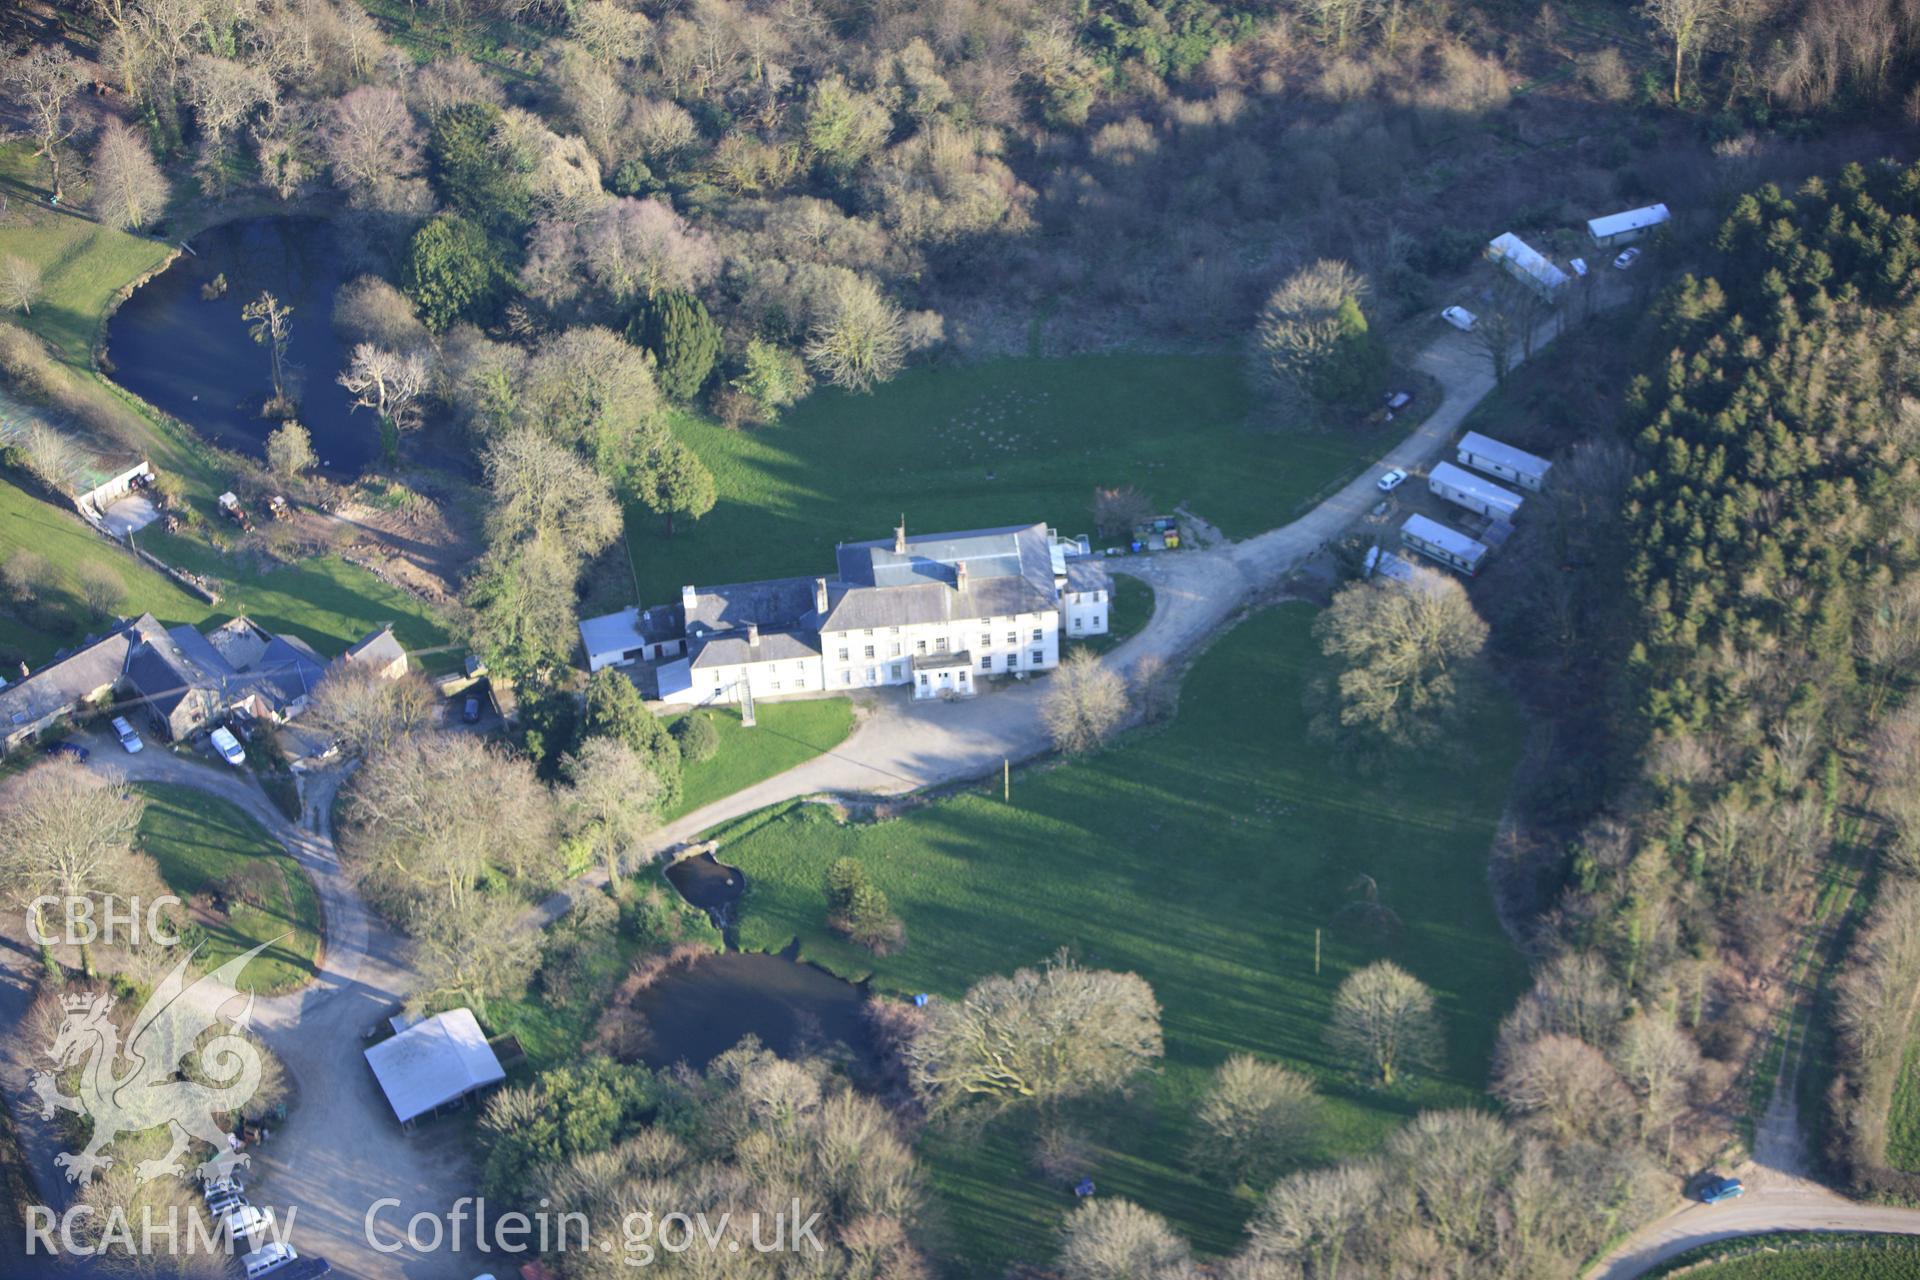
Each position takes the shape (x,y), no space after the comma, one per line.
(936,612)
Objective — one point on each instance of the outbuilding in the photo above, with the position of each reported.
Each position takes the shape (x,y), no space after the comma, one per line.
(1476,493)
(437,1061)
(633,635)
(1448,546)
(1485,454)
(1526,264)
(1625,228)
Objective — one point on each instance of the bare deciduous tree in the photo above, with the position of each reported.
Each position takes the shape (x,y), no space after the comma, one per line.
(544,492)
(1659,1063)
(858,338)
(1565,1089)
(368,714)
(1300,327)
(65,833)
(272,327)
(44,80)
(1253,1121)
(1688,25)
(1313,1218)
(374,146)
(1085,702)
(388,382)
(1117,510)
(1401,645)
(1118,1240)
(1384,1022)
(626,248)
(128,187)
(612,803)
(428,816)
(473,947)
(20,284)
(1042,1035)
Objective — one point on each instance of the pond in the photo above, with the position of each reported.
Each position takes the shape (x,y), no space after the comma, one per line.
(707,883)
(193,357)
(696,1012)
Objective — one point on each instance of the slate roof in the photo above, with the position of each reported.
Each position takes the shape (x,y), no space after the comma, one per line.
(379,650)
(863,607)
(172,664)
(1020,550)
(1088,575)
(776,604)
(730,648)
(60,684)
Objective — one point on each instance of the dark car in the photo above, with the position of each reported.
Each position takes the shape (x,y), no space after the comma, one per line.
(471,712)
(1716,1189)
(73,749)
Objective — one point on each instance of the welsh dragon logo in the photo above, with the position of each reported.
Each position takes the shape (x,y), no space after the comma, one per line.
(152,1090)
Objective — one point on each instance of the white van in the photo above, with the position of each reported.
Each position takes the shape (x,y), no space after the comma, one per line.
(267,1259)
(242,1222)
(229,747)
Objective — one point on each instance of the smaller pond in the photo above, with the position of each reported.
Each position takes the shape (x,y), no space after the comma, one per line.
(193,357)
(708,883)
(697,1012)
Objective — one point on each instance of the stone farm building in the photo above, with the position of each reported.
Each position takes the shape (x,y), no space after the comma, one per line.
(187,681)
(936,612)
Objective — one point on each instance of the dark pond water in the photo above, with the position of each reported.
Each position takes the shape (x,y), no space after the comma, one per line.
(194,358)
(707,883)
(697,1012)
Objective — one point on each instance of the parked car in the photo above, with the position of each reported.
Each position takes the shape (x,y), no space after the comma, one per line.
(227,1186)
(267,1259)
(1716,1189)
(1579,265)
(224,1202)
(128,738)
(1392,480)
(229,747)
(1627,258)
(242,1222)
(73,749)
(1460,318)
(470,713)
(306,1268)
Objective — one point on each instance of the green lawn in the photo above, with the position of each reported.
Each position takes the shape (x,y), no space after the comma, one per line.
(201,843)
(1903,1117)
(1204,857)
(1004,442)
(82,264)
(787,734)
(60,617)
(325,601)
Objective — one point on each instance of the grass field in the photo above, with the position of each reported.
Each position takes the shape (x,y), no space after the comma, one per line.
(787,734)
(1204,857)
(1801,1256)
(1903,1117)
(325,601)
(1004,442)
(60,617)
(201,843)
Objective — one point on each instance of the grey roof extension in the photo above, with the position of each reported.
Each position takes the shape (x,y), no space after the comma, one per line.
(730,648)
(777,603)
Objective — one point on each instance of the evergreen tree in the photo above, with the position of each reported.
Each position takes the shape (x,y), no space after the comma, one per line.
(684,341)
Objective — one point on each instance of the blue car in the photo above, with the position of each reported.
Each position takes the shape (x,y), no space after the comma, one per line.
(1714,1190)
(73,749)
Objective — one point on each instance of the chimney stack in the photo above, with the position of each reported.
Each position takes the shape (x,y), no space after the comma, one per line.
(753,635)
(687,597)
(959,575)
(900,537)
(820,596)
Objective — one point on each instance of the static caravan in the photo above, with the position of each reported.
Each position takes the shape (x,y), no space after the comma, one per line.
(1625,228)
(1437,542)
(1476,493)
(1526,264)
(1488,455)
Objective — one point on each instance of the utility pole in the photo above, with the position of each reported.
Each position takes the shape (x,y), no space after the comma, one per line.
(1006,780)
